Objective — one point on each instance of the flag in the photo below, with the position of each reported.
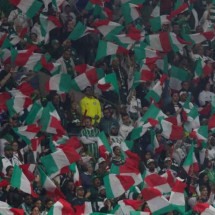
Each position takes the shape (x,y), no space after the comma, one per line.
(60,82)
(152,112)
(200,134)
(190,164)
(48,23)
(202,69)
(108,28)
(211,123)
(50,120)
(85,208)
(177,199)
(63,157)
(108,48)
(34,114)
(181,9)
(157,22)
(198,37)
(61,207)
(27,133)
(158,182)
(28,7)
(122,182)
(157,203)
(130,12)
(18,104)
(204,209)
(4,97)
(28,170)
(24,89)
(88,78)
(126,206)
(103,145)
(80,31)
(49,185)
(143,76)
(20,181)
(82,68)
(177,76)
(171,131)
(76,177)
(108,83)
(138,132)
(154,141)
(6,209)
(52,68)
(156,92)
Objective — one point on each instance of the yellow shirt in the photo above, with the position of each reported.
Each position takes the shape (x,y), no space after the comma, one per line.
(91,107)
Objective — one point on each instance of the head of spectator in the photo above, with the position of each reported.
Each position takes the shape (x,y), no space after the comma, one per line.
(9,171)
(151,165)
(35,211)
(80,192)
(8,151)
(88,91)
(175,97)
(183,96)
(126,119)
(114,130)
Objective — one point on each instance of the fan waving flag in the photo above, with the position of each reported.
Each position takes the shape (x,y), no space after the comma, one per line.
(108,83)
(80,31)
(28,7)
(20,181)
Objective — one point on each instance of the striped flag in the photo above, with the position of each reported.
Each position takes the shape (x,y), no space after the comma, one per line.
(27,133)
(28,7)
(130,12)
(204,208)
(80,31)
(122,182)
(6,209)
(63,157)
(109,83)
(21,182)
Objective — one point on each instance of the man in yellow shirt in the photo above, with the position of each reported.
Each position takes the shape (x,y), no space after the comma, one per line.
(90,106)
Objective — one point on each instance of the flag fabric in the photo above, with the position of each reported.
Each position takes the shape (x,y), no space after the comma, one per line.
(141,130)
(177,198)
(157,203)
(211,123)
(24,89)
(17,104)
(80,31)
(152,112)
(190,164)
(27,133)
(202,69)
(85,208)
(108,83)
(28,170)
(82,68)
(130,12)
(108,48)
(28,7)
(76,177)
(122,182)
(198,37)
(34,114)
(20,181)
(88,78)
(52,68)
(60,82)
(177,76)
(50,120)
(8,210)
(47,24)
(108,28)
(158,182)
(200,134)
(4,97)
(156,92)
(48,184)
(171,131)
(204,208)
(157,22)
(165,42)
(143,76)
(63,157)
(103,145)
(154,141)
(61,207)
